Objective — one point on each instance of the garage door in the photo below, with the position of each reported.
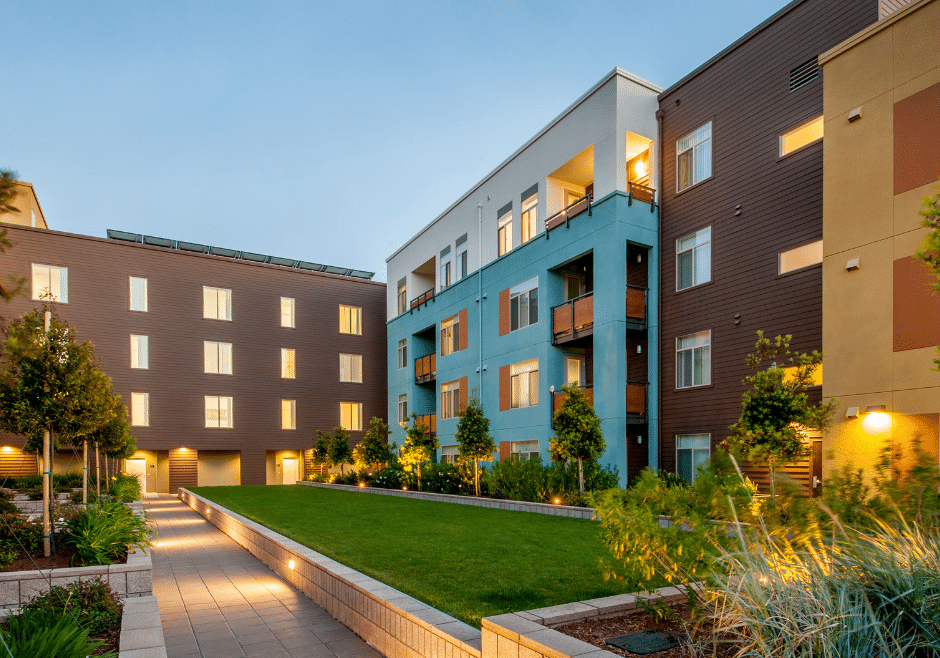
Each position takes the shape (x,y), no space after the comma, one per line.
(219,470)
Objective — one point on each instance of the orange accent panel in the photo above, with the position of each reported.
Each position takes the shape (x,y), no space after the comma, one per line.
(916,306)
(464,394)
(917,139)
(561,320)
(584,312)
(505,449)
(504,324)
(636,399)
(505,389)
(462,319)
(636,303)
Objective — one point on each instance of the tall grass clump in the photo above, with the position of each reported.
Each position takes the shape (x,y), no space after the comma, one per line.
(103,533)
(125,488)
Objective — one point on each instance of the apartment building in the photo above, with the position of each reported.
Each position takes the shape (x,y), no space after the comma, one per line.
(228,361)
(742,220)
(542,274)
(881,319)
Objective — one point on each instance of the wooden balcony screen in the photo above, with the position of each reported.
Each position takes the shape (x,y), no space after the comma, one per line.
(636,399)
(577,315)
(636,304)
(429,422)
(558,398)
(426,366)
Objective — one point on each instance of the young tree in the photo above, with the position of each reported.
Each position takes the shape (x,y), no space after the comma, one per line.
(339,450)
(321,449)
(111,436)
(373,451)
(419,447)
(776,406)
(929,252)
(577,432)
(473,437)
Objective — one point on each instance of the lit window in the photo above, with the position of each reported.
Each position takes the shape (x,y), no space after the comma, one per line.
(140,352)
(574,371)
(288,363)
(140,409)
(350,368)
(402,297)
(403,353)
(51,283)
(350,320)
(524,450)
(694,259)
(216,303)
(219,411)
(350,416)
(139,300)
(694,157)
(450,399)
(461,256)
(450,454)
(218,358)
(445,268)
(288,414)
(808,133)
(524,379)
(797,259)
(692,451)
(403,408)
(450,335)
(530,217)
(693,360)
(524,304)
(287,313)
(504,233)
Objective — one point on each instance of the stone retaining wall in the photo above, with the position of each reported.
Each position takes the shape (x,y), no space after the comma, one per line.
(141,629)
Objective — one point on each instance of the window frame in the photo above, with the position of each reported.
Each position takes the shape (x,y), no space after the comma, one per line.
(515,294)
(288,363)
(402,297)
(146,295)
(352,368)
(402,408)
(219,347)
(693,349)
(504,234)
(146,409)
(218,409)
(446,273)
(693,450)
(351,407)
(452,456)
(691,149)
(529,217)
(462,265)
(806,124)
(63,296)
(402,353)
(780,256)
(450,335)
(530,454)
(693,249)
(515,400)
(228,303)
(138,351)
(291,410)
(292,321)
(450,408)
(351,312)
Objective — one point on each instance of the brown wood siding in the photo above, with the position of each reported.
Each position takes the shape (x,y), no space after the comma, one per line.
(464,394)
(463,342)
(505,449)
(745,94)
(184,469)
(917,140)
(916,306)
(98,309)
(15,463)
(505,388)
(637,454)
(504,321)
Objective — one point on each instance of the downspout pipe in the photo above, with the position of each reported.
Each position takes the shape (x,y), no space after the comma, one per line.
(480,297)
(659,305)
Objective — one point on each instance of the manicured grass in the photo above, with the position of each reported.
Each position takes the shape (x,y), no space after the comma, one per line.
(470,562)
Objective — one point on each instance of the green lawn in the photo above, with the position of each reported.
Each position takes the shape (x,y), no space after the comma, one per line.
(470,562)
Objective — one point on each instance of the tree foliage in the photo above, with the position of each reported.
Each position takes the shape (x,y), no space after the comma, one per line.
(12,287)
(321,449)
(578,432)
(473,437)
(339,451)
(373,451)
(929,252)
(419,447)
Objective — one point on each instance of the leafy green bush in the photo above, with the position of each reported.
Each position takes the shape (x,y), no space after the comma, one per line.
(104,532)
(125,488)
(29,533)
(96,607)
(49,634)
(9,552)
(7,507)
(531,481)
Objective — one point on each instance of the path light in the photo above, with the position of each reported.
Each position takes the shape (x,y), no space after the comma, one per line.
(362,484)
(557,501)
(290,565)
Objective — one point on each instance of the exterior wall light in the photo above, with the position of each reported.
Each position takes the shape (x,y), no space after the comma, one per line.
(851,412)
(876,419)
(7,448)
(290,565)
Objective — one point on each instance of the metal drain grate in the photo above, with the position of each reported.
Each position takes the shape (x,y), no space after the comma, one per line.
(645,642)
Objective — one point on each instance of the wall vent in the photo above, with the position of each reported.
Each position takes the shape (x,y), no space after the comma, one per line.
(804,74)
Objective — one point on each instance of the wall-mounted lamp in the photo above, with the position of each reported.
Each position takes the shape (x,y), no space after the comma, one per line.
(851,412)
(7,448)
(639,440)
(291,565)
(852,264)
(639,349)
(551,389)
(855,114)
(876,419)
(639,258)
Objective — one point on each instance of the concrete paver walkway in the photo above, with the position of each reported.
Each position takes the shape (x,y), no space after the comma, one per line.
(219,601)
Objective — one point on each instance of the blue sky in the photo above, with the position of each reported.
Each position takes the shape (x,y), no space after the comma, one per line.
(330,132)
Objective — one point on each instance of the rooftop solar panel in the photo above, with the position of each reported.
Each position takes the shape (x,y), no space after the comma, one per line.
(257,258)
(221,251)
(286,262)
(304,265)
(332,269)
(159,242)
(192,246)
(122,235)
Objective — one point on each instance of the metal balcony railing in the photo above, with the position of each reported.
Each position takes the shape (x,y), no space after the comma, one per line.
(637,192)
(573,319)
(423,298)
(429,422)
(426,369)
(566,214)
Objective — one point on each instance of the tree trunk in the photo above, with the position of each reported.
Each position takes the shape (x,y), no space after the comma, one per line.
(773,483)
(97,472)
(46,487)
(476,476)
(581,476)
(85,472)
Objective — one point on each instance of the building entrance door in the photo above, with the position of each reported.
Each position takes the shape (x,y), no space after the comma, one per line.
(137,468)
(290,471)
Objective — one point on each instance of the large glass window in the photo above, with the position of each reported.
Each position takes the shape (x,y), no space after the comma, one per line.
(288,363)
(808,133)
(140,409)
(288,414)
(403,353)
(445,268)
(524,304)
(530,217)
(350,368)
(692,451)
(694,157)
(219,411)
(350,416)
(694,259)
(693,360)
(450,454)
(216,303)
(287,313)
(350,319)
(218,358)
(461,256)
(51,283)
(450,399)
(450,335)
(504,233)
(574,371)
(402,408)
(524,450)
(140,352)
(797,259)
(524,380)
(139,300)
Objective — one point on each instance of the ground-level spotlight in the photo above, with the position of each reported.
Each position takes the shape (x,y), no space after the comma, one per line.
(290,565)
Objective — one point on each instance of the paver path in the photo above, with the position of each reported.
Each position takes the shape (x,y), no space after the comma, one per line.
(219,601)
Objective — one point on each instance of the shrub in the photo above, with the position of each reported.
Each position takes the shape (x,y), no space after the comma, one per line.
(49,634)
(125,488)
(29,533)
(532,481)
(6,507)
(9,552)
(96,607)
(104,532)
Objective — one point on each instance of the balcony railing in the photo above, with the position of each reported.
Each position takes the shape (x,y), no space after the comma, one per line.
(565,215)
(573,319)
(429,422)
(637,192)
(636,402)
(422,299)
(426,369)
(558,398)
(637,308)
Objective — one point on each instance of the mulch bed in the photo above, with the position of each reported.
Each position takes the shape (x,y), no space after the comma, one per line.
(595,631)
(112,642)
(61,560)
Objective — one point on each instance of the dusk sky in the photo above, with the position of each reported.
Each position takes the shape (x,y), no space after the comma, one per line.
(329,132)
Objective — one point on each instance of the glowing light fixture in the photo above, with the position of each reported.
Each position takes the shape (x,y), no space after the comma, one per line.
(290,565)
(640,168)
(876,419)
(557,501)
(7,448)
(362,484)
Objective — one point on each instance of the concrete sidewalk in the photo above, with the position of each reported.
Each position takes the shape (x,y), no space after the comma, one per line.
(217,600)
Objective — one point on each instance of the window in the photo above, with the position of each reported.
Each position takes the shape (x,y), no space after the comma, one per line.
(402,297)
(218,411)
(287,313)
(462,257)
(797,259)
(140,352)
(288,414)
(350,368)
(693,360)
(694,259)
(530,217)
(140,409)
(694,157)
(450,335)
(450,399)
(445,268)
(809,132)
(524,304)
(524,450)
(574,371)
(504,232)
(288,363)
(139,301)
(450,454)
(403,353)
(402,408)
(350,320)
(350,416)
(51,283)
(218,358)
(216,303)
(524,379)
(692,451)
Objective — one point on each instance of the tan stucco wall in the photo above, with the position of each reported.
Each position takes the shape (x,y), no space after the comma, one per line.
(27,206)
(862,218)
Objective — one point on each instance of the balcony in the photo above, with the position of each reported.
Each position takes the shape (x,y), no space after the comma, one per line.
(637,192)
(426,369)
(636,402)
(558,398)
(637,310)
(422,299)
(573,319)
(429,422)
(567,214)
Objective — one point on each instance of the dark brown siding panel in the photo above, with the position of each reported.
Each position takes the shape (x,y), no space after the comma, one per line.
(15,463)
(464,394)
(505,449)
(504,322)
(916,306)
(463,341)
(917,140)
(505,390)
(183,469)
